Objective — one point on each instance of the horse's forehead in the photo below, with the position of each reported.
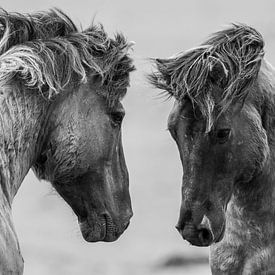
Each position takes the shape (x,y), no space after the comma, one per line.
(192,115)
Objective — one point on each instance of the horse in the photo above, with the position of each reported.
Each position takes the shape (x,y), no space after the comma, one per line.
(223,122)
(61,114)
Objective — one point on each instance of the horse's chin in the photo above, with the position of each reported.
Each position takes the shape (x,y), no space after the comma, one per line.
(94,233)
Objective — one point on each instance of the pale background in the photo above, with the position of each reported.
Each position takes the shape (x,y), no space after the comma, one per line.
(46,227)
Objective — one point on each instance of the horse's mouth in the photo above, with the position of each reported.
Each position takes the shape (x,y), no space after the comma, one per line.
(200,236)
(103,229)
(93,232)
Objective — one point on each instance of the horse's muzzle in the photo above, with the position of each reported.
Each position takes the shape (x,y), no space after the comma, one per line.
(202,234)
(104,229)
(196,235)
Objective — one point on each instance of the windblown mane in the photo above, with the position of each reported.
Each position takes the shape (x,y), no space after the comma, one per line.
(47,52)
(230,59)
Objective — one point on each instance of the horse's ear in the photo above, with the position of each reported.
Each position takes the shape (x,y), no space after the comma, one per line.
(162,66)
(162,78)
(218,73)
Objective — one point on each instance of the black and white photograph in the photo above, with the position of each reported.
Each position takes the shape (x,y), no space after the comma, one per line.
(137,137)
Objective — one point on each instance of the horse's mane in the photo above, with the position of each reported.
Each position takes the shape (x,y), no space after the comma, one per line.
(230,59)
(47,52)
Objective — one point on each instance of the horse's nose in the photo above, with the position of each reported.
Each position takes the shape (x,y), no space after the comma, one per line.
(199,235)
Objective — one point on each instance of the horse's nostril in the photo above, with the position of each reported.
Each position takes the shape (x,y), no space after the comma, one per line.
(205,236)
(82,217)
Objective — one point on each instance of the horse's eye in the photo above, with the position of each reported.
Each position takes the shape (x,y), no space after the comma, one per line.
(223,135)
(117,117)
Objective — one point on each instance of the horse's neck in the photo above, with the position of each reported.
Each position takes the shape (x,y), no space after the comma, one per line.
(248,246)
(21,115)
(250,215)
(253,204)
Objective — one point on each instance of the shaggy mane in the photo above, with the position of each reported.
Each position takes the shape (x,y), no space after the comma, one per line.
(47,52)
(230,59)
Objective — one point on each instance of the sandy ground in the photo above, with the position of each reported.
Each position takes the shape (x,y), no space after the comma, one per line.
(47,229)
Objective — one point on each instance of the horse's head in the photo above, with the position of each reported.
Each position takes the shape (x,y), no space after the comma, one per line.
(80,149)
(217,123)
(82,156)
(214,162)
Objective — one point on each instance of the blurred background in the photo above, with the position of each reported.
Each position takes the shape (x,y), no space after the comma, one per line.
(47,229)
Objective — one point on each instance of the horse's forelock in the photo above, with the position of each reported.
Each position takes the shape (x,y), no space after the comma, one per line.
(46,49)
(230,59)
(17,28)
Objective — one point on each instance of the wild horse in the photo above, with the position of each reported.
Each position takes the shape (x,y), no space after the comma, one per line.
(223,122)
(60,92)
